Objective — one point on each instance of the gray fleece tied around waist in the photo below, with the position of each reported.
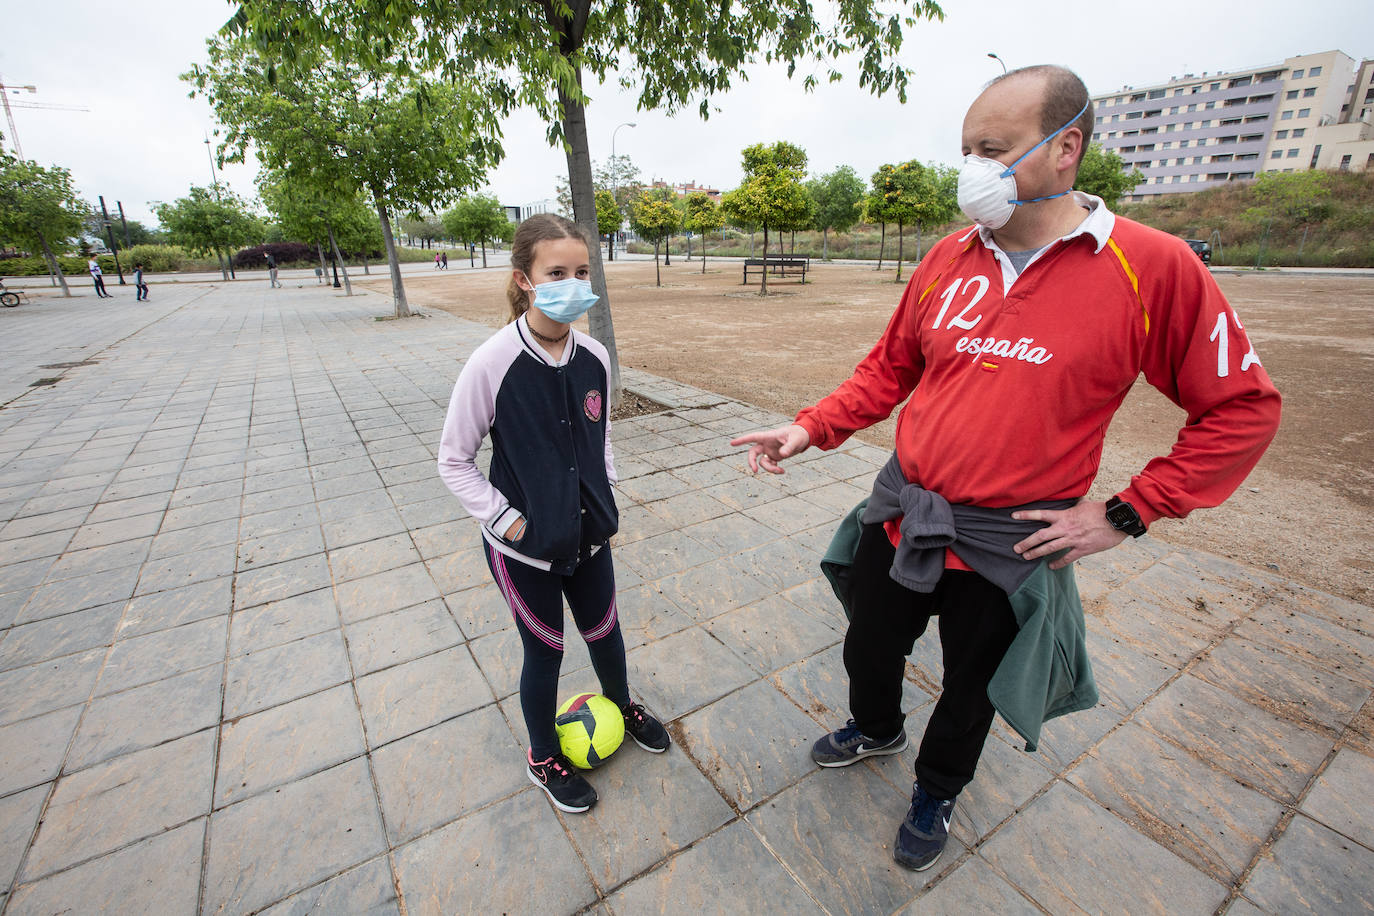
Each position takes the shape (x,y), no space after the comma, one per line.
(981,537)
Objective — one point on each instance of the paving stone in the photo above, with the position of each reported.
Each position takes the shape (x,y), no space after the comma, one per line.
(45,686)
(711,589)
(332,819)
(158,875)
(18,550)
(143,659)
(1124,864)
(276,548)
(1312,869)
(121,801)
(479,611)
(834,831)
(1340,798)
(1180,802)
(388,639)
(664,554)
(18,818)
(1124,674)
(190,516)
(459,570)
(771,633)
(421,777)
(377,594)
(63,596)
(31,750)
(278,521)
(367,890)
(28,643)
(112,532)
(280,580)
(731,866)
(371,557)
(188,540)
(752,743)
(281,673)
(187,569)
(637,523)
(645,616)
(444,538)
(278,622)
(114,508)
(485,857)
(684,671)
(144,716)
(781,564)
(795,513)
(174,607)
(286,742)
(731,533)
(1065,739)
(973,887)
(407,698)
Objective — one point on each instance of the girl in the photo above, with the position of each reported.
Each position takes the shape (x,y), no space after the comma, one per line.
(539,389)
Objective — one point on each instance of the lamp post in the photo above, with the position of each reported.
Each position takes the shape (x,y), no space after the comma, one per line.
(999,60)
(614,189)
(109,232)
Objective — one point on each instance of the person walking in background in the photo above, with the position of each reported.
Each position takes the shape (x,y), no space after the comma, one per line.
(319,274)
(99,278)
(547,510)
(437,265)
(443,255)
(272,270)
(140,288)
(1017,339)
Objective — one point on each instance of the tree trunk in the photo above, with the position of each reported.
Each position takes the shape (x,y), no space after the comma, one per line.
(398,290)
(882,243)
(918,243)
(658,274)
(763,285)
(667,252)
(324,268)
(222,271)
(610,246)
(348,287)
(366,269)
(484,254)
(825,244)
(703,252)
(584,209)
(751,243)
(53,265)
(900,239)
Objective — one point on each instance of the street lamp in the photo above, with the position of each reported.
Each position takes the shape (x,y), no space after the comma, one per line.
(614,189)
(999,60)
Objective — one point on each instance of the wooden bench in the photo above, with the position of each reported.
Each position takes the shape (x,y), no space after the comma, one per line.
(778,264)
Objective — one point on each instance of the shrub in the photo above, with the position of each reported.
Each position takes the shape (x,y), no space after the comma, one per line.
(71,266)
(155,259)
(284,252)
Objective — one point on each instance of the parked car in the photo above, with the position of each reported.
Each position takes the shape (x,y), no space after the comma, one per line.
(1202,248)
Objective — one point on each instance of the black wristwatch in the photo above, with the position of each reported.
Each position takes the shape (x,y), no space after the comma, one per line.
(1123,517)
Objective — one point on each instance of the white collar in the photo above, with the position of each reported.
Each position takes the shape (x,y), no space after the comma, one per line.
(1099,223)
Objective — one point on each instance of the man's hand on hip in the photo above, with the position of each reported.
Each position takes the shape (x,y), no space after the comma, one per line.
(766,449)
(1081,529)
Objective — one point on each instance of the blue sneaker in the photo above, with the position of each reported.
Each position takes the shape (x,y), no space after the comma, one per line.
(924,832)
(849,745)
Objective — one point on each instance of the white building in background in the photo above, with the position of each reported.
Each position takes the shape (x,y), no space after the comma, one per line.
(525,211)
(1313,111)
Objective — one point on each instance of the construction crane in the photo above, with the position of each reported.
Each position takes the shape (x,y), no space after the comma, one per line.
(9,114)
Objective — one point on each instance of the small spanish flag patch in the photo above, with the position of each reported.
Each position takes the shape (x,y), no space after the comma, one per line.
(987,366)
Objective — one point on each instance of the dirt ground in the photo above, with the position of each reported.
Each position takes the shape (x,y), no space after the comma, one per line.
(1303,513)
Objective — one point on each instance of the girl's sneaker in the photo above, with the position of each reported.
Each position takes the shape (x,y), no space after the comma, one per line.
(647,731)
(564,786)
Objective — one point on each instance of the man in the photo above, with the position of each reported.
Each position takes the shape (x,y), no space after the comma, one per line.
(98,276)
(272,270)
(1017,341)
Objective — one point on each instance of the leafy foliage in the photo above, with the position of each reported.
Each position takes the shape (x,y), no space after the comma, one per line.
(654,218)
(39,209)
(772,195)
(1302,197)
(478,219)
(838,198)
(1102,172)
(206,221)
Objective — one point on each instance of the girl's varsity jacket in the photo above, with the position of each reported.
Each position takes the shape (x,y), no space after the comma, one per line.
(1013,379)
(551,460)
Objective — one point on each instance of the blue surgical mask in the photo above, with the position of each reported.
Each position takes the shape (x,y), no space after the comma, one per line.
(565,301)
(987,189)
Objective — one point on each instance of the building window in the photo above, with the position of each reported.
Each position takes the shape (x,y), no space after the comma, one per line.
(1156,93)
(1297,74)
(1229,122)
(1173,110)
(1251,119)
(1276,154)
(1225,157)
(1287,115)
(1115,118)
(1192,107)
(1097,136)
(1304,112)
(1214,87)
(1345,163)
(1369,96)
(1315,71)
(1261,99)
(1159,179)
(1167,144)
(1193,177)
(1298,132)
(1291,94)
(1187,125)
(1246,157)
(1183,143)
(1308,93)
(1176,179)
(1126,149)
(1251,138)
(1207,123)
(1197,160)
(1280,135)
(1132,115)
(1210,105)
(1316,151)
(1293,153)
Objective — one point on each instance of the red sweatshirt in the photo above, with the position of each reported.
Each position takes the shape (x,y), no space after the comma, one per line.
(1016,378)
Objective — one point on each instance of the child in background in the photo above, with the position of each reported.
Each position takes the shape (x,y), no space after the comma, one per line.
(140,288)
(539,389)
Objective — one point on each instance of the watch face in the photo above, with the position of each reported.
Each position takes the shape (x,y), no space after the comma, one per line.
(1119,515)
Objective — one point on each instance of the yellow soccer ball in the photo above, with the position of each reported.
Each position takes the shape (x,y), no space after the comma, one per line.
(590,728)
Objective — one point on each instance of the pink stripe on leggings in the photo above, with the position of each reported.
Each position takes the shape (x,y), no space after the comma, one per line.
(544,633)
(604,627)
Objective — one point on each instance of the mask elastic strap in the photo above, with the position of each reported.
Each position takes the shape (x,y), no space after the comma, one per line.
(1011,169)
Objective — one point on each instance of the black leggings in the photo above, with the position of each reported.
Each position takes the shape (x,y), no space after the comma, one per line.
(536,602)
(976,628)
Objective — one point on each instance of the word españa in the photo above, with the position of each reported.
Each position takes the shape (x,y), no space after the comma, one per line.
(1022,349)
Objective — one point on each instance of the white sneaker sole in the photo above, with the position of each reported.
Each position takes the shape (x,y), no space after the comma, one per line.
(571,809)
(652,750)
(881,752)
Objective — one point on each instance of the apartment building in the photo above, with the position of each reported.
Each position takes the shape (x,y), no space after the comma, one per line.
(1195,132)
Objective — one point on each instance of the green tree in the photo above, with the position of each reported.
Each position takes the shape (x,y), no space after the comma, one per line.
(1300,198)
(912,194)
(534,53)
(321,216)
(477,219)
(608,219)
(39,209)
(703,215)
(1103,173)
(874,211)
(837,199)
(366,122)
(654,219)
(427,227)
(771,195)
(210,220)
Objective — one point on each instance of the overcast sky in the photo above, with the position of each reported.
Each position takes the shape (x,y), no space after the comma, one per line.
(143,140)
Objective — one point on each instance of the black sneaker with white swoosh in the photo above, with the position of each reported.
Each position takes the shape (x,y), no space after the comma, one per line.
(849,745)
(564,786)
(924,831)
